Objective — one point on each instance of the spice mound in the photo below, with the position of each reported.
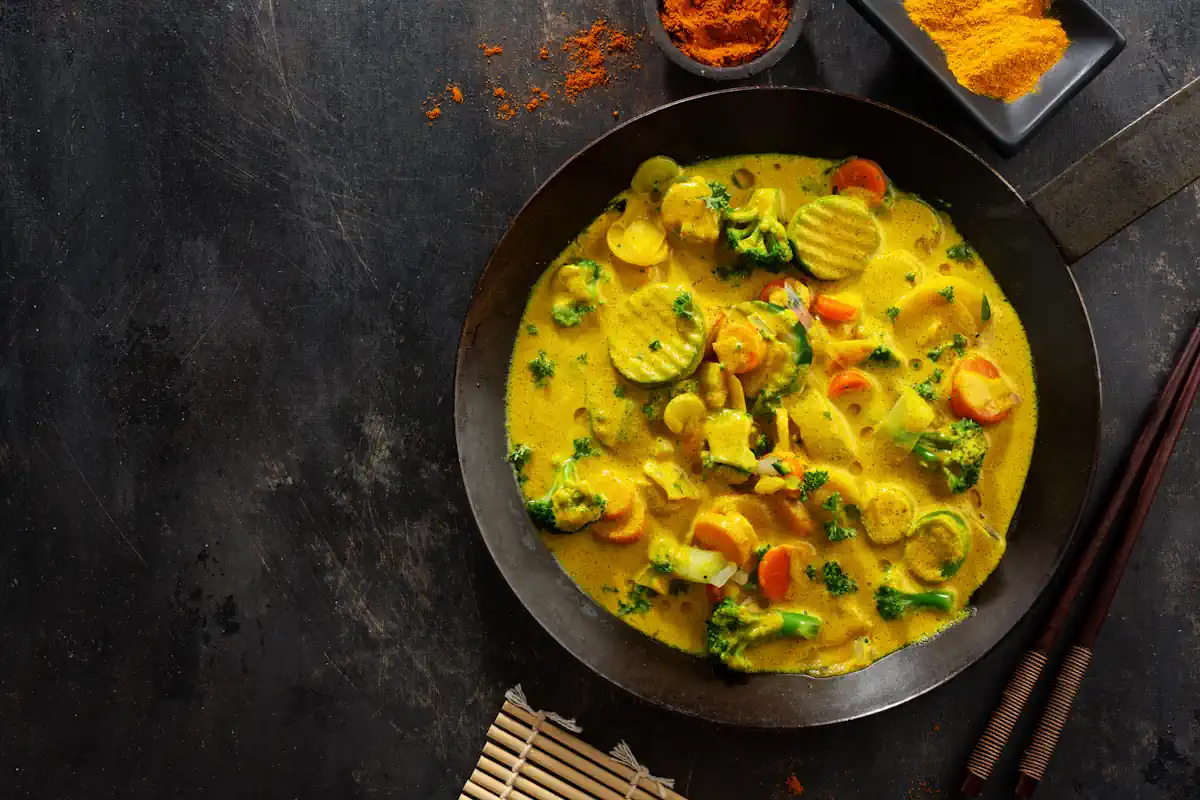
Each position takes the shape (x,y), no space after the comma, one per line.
(995,48)
(725,33)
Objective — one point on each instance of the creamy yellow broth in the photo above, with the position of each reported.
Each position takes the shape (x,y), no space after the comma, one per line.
(840,437)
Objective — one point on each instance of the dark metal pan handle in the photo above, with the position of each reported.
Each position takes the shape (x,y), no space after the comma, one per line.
(1118,182)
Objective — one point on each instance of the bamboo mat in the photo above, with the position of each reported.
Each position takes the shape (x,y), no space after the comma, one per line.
(534,755)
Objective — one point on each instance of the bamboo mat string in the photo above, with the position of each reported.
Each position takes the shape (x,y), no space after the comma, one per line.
(624,754)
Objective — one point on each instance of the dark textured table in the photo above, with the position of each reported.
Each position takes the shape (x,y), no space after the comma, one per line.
(237,559)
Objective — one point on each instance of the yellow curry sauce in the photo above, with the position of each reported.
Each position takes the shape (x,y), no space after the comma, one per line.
(698,451)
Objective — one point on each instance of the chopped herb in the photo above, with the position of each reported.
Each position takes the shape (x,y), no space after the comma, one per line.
(542,369)
(781,468)
(531,329)
(719,196)
(834,528)
(683,305)
(637,601)
(735,272)
(892,312)
(654,405)
(925,390)
(655,346)
(619,391)
(960,344)
(836,581)
(811,572)
(607,588)
(761,446)
(581,358)
(813,479)
(661,567)
(584,448)
(936,376)
(960,252)
(827,415)
(985,313)
(911,277)
(947,294)
(883,357)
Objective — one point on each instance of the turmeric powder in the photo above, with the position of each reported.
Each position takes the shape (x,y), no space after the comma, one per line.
(995,48)
(724,33)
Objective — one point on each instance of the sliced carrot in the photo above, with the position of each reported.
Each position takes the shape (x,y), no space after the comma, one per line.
(775,292)
(978,391)
(618,495)
(627,528)
(826,307)
(731,535)
(739,347)
(848,380)
(775,573)
(794,515)
(863,174)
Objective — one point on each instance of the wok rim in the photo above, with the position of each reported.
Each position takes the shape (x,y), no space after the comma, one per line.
(1069,546)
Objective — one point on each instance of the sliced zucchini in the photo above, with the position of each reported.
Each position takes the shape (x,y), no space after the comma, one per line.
(834,237)
(648,342)
(788,352)
(938,544)
(889,515)
(728,435)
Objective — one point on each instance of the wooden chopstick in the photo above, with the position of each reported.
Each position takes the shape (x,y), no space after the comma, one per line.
(1037,757)
(1016,692)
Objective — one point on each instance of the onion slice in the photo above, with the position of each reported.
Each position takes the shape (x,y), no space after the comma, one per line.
(722,577)
(798,308)
(766,466)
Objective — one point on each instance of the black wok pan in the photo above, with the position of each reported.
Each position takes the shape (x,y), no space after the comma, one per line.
(1016,246)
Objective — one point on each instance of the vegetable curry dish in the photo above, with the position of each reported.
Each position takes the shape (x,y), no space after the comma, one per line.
(774,411)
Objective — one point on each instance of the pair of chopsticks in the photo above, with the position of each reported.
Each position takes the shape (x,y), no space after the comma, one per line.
(1155,442)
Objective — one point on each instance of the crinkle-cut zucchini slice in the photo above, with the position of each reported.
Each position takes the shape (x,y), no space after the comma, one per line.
(649,342)
(834,237)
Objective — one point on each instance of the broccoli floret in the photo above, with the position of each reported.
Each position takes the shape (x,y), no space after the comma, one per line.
(892,603)
(893,312)
(947,294)
(836,581)
(958,451)
(925,389)
(581,295)
(570,505)
(761,446)
(755,232)
(883,357)
(733,628)
(519,456)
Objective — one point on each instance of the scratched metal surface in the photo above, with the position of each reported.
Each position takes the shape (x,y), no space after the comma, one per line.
(236,558)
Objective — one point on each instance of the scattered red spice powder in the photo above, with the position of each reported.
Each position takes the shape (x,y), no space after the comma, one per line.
(455,93)
(499,91)
(506,111)
(936,727)
(794,786)
(490,50)
(433,113)
(544,53)
(539,96)
(589,50)
(616,114)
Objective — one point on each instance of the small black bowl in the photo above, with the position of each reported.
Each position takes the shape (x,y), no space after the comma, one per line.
(767,59)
